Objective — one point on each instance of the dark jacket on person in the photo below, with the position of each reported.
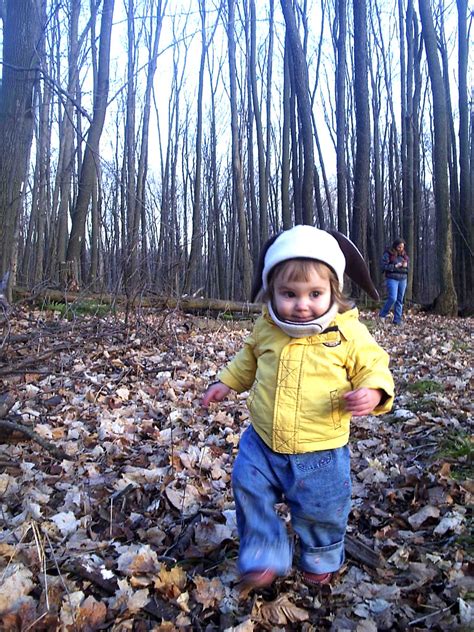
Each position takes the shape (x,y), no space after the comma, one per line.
(389,260)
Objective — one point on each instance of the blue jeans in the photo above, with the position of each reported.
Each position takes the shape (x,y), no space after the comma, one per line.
(316,487)
(396,293)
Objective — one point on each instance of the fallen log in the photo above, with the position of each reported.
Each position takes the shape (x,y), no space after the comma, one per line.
(186,304)
(362,553)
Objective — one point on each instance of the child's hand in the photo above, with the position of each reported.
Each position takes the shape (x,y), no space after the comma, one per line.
(215,393)
(362,401)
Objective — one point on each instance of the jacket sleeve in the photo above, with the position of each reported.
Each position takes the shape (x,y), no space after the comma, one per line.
(239,374)
(386,265)
(368,367)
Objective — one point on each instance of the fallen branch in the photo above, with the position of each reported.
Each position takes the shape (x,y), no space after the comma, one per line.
(12,426)
(31,361)
(362,553)
(156,607)
(435,613)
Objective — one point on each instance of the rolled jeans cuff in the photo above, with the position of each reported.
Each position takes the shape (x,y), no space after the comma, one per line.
(258,556)
(323,559)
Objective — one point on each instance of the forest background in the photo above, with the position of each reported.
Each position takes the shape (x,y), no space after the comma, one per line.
(153,146)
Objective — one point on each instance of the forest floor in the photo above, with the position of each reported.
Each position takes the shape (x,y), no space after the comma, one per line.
(118,513)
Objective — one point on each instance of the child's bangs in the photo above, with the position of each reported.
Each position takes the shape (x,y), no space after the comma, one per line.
(301,270)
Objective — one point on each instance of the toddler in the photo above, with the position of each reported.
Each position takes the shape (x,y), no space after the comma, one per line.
(310,365)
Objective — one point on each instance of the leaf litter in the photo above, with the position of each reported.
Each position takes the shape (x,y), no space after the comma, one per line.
(133,528)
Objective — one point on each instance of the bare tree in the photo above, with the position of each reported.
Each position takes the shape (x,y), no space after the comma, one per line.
(466,241)
(446,301)
(88,171)
(237,179)
(362,160)
(21,34)
(341,169)
(262,168)
(300,71)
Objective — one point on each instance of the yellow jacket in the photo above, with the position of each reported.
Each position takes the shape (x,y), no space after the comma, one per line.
(297,384)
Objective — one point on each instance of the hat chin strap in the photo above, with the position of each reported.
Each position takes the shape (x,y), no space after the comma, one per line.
(301,330)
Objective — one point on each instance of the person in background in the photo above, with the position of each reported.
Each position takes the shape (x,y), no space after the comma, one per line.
(395,268)
(310,365)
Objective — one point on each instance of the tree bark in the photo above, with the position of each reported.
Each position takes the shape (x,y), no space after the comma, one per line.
(465,191)
(237,178)
(195,255)
(21,34)
(362,160)
(262,168)
(91,155)
(446,301)
(285,140)
(300,70)
(341,167)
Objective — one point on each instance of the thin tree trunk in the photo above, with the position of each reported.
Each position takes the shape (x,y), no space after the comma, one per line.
(285,140)
(262,168)
(341,167)
(88,170)
(362,161)
(446,301)
(465,192)
(300,70)
(237,178)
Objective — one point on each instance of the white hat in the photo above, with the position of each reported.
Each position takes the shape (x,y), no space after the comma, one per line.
(305,242)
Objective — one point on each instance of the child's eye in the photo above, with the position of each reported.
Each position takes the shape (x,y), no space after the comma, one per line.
(315,294)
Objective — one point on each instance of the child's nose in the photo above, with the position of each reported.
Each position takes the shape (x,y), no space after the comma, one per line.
(301,302)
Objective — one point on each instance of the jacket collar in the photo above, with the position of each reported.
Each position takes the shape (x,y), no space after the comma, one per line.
(343,323)
(303,330)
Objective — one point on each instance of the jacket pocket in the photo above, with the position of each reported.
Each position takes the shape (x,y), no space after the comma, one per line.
(309,461)
(335,409)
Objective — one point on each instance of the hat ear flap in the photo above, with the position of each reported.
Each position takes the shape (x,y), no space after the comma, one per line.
(356,268)
(257,278)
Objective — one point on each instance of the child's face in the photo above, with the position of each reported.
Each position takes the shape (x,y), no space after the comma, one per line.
(302,301)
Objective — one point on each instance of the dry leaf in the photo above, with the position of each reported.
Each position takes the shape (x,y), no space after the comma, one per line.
(15,582)
(418,518)
(186,500)
(138,560)
(171,582)
(209,592)
(282,611)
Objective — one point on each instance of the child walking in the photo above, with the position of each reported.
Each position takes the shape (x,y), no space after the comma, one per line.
(310,365)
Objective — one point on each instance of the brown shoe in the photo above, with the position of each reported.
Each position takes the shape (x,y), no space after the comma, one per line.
(258,579)
(316,579)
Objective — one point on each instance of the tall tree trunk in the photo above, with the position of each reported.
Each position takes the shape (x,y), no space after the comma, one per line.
(285,140)
(417,188)
(361,96)
(43,149)
(377,228)
(88,170)
(155,24)
(262,168)
(446,301)
(466,199)
(271,37)
(195,255)
(237,178)
(216,221)
(341,167)
(132,210)
(407,135)
(21,34)
(300,70)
